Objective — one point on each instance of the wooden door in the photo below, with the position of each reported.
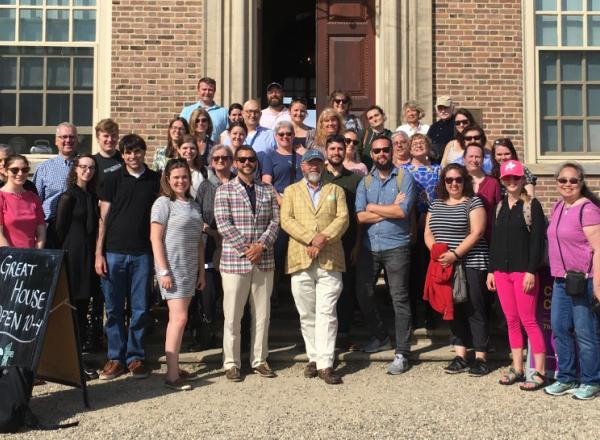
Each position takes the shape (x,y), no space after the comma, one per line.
(346,51)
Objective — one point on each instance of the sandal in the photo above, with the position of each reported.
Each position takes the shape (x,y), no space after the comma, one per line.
(536,383)
(512,377)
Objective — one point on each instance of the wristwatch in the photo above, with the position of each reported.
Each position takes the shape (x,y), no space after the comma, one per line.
(162,273)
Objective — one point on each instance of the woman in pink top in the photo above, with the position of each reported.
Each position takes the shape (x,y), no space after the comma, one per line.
(21,217)
(574,246)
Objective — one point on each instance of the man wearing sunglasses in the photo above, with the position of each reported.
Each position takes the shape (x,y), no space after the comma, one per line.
(384,199)
(50,178)
(247,217)
(276,111)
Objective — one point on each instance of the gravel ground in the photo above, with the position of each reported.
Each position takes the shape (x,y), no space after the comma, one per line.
(424,403)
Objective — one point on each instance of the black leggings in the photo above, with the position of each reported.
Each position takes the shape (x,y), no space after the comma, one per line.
(469,326)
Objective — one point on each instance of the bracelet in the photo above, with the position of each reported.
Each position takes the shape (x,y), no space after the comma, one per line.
(455,254)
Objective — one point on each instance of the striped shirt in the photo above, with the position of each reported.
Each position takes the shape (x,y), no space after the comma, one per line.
(450,224)
(50,179)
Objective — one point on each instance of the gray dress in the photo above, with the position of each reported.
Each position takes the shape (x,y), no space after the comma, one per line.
(183,232)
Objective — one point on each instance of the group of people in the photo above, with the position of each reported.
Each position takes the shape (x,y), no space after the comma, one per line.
(238,198)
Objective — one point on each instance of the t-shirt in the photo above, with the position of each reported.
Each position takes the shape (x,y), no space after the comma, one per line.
(566,226)
(269,118)
(131,199)
(279,167)
(450,224)
(106,165)
(20,215)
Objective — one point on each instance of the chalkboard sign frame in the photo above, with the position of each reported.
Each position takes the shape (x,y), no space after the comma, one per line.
(55,355)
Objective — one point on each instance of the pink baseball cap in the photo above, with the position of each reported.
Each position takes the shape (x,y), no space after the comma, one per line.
(511,168)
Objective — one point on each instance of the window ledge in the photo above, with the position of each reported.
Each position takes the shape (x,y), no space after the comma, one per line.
(548,169)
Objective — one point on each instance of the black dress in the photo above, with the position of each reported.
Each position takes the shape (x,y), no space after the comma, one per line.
(76,227)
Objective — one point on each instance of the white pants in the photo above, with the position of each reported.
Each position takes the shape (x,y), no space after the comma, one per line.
(316,292)
(256,286)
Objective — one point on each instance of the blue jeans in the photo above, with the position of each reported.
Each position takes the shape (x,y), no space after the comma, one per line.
(396,263)
(573,321)
(127,278)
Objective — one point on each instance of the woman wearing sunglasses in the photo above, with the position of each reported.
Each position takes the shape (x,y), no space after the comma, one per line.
(178,127)
(457,218)
(5,151)
(76,230)
(22,222)
(516,253)
(201,127)
(351,160)
(462,119)
(574,251)
(341,102)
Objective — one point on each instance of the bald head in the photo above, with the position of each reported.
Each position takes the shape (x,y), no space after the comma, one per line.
(251,114)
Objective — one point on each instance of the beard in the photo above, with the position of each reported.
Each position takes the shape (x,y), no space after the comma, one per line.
(335,160)
(274,102)
(384,166)
(313,177)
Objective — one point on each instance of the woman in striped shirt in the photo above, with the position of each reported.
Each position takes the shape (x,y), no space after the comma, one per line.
(457,218)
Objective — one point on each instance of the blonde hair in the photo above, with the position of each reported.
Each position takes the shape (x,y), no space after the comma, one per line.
(327,114)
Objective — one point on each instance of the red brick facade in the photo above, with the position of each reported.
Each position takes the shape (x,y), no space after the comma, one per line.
(156,59)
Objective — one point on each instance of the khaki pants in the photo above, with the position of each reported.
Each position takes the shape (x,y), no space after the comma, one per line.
(256,287)
(316,292)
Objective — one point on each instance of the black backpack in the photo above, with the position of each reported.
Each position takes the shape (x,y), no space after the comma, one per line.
(16,384)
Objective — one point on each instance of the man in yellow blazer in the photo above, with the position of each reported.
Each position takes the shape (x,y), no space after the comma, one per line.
(315,216)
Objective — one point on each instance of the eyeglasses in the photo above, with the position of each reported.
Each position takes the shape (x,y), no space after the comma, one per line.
(252,112)
(285,134)
(461,122)
(572,180)
(380,150)
(349,141)
(64,137)
(86,167)
(341,101)
(246,159)
(451,180)
(203,120)
(220,158)
(472,138)
(15,170)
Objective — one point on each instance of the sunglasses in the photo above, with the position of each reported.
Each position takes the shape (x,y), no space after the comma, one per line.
(349,141)
(380,150)
(462,122)
(246,159)
(220,158)
(473,138)
(15,170)
(285,134)
(86,167)
(203,120)
(451,180)
(341,101)
(564,180)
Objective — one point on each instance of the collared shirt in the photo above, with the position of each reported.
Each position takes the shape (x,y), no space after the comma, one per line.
(410,130)
(262,140)
(269,118)
(50,179)
(218,116)
(251,191)
(389,233)
(314,193)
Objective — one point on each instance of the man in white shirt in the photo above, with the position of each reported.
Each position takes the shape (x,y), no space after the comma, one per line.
(276,111)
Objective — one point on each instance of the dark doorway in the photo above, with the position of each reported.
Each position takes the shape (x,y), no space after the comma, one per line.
(288,46)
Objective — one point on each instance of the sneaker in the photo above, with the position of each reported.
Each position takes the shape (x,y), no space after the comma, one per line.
(263,370)
(112,369)
(458,365)
(560,388)
(178,385)
(479,368)
(138,369)
(233,374)
(399,365)
(375,345)
(586,392)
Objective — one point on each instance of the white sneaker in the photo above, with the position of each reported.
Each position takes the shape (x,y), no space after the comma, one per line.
(399,364)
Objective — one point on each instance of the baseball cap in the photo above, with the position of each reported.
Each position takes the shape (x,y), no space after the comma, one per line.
(274,84)
(312,154)
(511,168)
(443,100)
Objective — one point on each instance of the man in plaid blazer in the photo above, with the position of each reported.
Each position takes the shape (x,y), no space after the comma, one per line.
(315,216)
(247,216)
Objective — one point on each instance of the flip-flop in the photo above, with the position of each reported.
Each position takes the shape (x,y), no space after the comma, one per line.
(536,385)
(512,377)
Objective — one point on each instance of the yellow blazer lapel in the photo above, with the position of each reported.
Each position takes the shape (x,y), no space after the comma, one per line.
(325,190)
(306,195)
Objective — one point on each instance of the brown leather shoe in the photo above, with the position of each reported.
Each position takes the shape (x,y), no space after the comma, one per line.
(112,369)
(233,374)
(138,369)
(310,370)
(329,377)
(264,370)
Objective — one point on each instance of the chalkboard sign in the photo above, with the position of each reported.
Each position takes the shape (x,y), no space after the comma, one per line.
(37,320)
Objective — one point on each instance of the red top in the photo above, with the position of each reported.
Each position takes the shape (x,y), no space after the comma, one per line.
(20,214)
(489,193)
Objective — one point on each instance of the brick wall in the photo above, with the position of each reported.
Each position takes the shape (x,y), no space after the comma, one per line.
(156,61)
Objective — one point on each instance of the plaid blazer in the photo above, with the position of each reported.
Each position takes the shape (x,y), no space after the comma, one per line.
(302,222)
(240,227)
